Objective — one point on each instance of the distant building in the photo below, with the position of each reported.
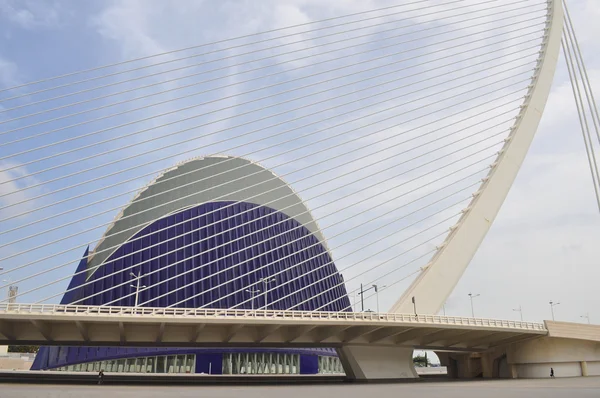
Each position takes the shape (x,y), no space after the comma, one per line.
(198,212)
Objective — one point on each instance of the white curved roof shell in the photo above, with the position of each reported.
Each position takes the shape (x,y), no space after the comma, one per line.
(198,181)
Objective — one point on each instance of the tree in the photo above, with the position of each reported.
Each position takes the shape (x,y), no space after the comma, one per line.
(23,348)
(421,361)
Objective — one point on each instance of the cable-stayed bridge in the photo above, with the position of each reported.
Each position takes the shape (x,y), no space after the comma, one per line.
(249,188)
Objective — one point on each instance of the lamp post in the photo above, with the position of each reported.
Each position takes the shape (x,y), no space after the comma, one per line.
(377,295)
(8,290)
(266,282)
(552,305)
(5,280)
(11,293)
(362,294)
(520,310)
(586,316)
(136,287)
(472,296)
(414,302)
(252,293)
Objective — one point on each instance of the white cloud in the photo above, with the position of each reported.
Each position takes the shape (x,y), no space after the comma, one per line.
(11,193)
(8,73)
(30,14)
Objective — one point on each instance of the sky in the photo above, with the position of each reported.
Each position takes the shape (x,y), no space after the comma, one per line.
(541,246)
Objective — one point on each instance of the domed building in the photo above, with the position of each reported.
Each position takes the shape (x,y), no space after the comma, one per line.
(213,232)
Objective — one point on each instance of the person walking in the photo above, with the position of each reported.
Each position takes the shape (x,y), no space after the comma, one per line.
(552,373)
(101,377)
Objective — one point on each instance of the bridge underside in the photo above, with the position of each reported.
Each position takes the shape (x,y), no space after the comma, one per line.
(250,331)
(370,346)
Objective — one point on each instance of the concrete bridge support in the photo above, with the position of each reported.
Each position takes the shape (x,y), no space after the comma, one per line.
(528,359)
(492,364)
(568,357)
(463,365)
(363,362)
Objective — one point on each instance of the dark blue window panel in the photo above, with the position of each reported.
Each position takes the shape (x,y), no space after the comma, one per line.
(309,364)
(209,362)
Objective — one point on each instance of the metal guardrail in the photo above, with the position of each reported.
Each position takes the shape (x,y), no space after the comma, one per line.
(82,310)
(26,356)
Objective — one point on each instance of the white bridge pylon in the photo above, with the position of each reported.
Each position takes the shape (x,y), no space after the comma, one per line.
(324,156)
(433,286)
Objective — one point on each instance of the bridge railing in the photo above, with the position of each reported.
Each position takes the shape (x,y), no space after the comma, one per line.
(56,309)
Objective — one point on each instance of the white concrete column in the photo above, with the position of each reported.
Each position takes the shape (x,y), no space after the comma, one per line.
(584,368)
(487,366)
(373,362)
(513,371)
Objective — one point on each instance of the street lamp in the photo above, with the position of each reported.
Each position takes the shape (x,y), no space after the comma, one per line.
(414,303)
(520,310)
(586,316)
(362,294)
(266,282)
(252,293)
(552,305)
(136,287)
(377,295)
(4,280)
(472,296)
(11,292)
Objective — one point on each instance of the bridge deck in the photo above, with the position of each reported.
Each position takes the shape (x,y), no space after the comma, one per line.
(105,325)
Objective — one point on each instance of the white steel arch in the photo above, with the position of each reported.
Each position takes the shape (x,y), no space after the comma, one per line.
(439,277)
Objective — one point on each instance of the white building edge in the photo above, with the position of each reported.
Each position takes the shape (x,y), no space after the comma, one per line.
(198,181)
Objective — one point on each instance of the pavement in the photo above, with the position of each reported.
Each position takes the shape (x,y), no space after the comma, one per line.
(539,388)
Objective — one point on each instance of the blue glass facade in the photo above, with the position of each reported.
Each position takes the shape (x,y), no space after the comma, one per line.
(207,256)
(208,360)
